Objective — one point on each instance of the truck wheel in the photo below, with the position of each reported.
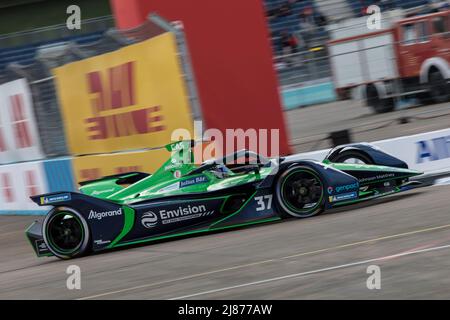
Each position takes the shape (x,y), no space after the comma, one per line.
(374,101)
(299,193)
(66,233)
(439,88)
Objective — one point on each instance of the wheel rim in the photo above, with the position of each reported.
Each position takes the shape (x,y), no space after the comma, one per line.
(302,191)
(65,232)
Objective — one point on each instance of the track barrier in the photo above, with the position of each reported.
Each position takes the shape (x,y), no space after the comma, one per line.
(428,152)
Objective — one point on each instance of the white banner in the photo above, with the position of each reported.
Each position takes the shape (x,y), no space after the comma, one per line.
(428,152)
(17,183)
(19,137)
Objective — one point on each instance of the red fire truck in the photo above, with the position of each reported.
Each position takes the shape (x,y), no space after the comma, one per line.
(410,58)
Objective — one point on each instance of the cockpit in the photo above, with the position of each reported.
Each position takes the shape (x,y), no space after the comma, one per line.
(240,162)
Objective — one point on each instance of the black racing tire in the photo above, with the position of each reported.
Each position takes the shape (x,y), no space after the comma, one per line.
(352,154)
(303,184)
(66,233)
(438,87)
(378,104)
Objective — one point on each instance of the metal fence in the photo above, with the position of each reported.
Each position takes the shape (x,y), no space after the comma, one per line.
(303,67)
(42,83)
(56,32)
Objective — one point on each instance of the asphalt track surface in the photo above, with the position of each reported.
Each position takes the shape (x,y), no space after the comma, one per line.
(326,257)
(309,127)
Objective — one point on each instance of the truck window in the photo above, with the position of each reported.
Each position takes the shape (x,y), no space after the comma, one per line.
(409,34)
(422,31)
(439,25)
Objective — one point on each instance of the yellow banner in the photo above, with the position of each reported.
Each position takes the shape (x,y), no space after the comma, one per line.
(131,98)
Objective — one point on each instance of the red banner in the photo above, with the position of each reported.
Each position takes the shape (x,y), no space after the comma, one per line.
(232,59)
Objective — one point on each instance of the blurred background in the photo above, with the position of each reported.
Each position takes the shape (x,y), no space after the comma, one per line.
(77,104)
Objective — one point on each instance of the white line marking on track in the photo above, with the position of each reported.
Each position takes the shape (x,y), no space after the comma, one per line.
(263,262)
(295,275)
(175,280)
(368,241)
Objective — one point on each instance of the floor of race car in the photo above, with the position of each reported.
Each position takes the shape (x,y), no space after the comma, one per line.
(406,235)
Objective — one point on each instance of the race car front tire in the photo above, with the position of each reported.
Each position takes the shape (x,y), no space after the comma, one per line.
(299,193)
(352,156)
(66,233)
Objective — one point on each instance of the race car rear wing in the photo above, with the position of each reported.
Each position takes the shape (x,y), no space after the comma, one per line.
(106,219)
(55,198)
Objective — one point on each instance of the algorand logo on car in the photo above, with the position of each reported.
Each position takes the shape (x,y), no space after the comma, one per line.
(149,219)
(100,215)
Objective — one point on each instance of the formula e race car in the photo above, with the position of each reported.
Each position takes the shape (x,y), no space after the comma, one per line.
(182,198)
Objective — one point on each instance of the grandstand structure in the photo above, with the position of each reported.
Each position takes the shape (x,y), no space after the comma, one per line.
(24,47)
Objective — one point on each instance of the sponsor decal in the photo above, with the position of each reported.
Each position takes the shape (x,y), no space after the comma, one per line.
(346,187)
(98,192)
(193,181)
(177,174)
(182,213)
(55,198)
(377,177)
(433,150)
(342,188)
(376,167)
(172,166)
(149,219)
(110,105)
(100,215)
(100,241)
(116,105)
(176,146)
(343,196)
(170,187)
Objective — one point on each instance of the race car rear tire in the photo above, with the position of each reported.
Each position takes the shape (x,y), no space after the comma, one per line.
(299,192)
(66,233)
